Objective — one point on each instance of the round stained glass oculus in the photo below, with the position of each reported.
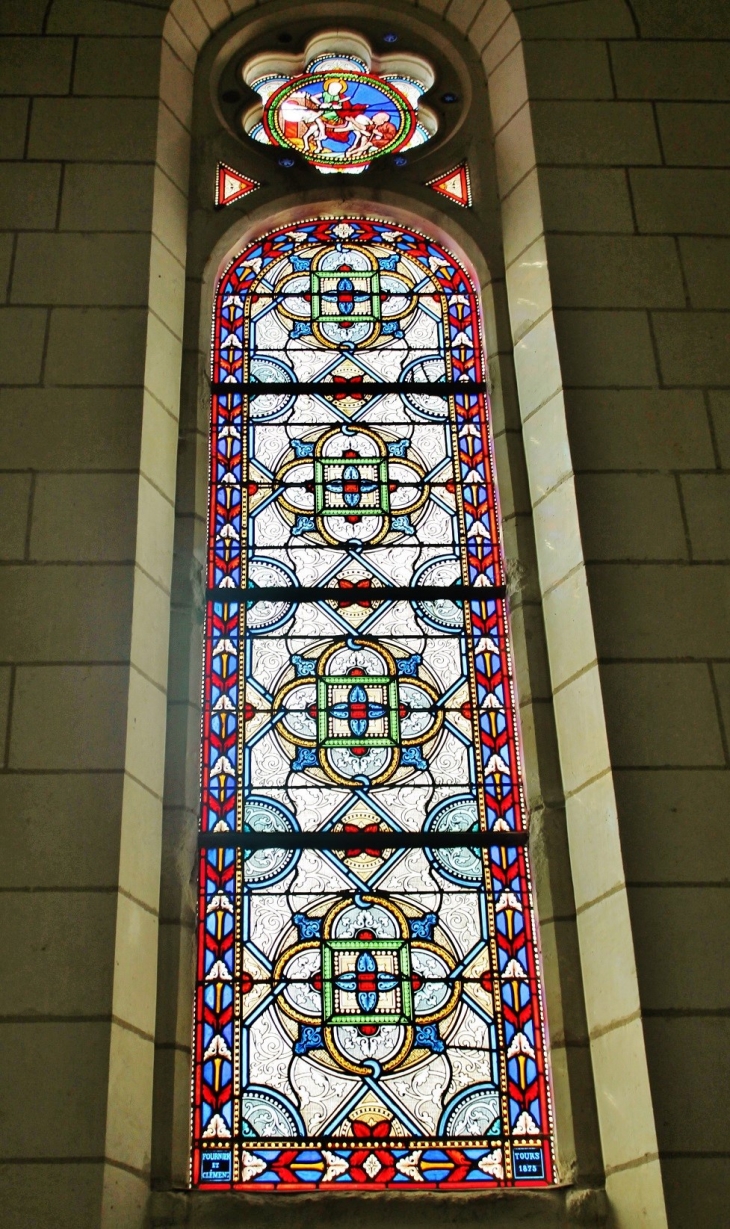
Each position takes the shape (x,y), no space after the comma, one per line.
(338,105)
(339,118)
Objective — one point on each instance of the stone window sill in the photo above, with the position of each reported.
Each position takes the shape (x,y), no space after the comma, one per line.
(558,1208)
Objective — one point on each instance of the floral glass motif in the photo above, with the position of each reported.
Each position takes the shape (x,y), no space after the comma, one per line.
(366,1017)
(339,113)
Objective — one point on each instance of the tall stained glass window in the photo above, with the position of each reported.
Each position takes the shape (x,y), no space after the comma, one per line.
(368,1006)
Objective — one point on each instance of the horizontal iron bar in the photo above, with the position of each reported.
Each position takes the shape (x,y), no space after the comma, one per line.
(264,296)
(359,840)
(275,484)
(433,388)
(394,593)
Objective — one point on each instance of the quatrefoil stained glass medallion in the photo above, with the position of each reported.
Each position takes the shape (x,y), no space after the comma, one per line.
(337,105)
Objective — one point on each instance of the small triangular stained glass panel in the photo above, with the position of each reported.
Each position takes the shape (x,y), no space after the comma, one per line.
(231,185)
(455,185)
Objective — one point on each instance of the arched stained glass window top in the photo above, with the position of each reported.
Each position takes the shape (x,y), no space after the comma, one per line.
(368,1010)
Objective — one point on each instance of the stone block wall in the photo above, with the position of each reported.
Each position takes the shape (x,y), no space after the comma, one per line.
(630,126)
(92,248)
